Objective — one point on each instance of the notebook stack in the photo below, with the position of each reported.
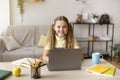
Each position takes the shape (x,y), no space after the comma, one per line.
(102,69)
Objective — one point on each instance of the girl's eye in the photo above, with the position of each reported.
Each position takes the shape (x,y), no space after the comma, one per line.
(58,26)
(64,26)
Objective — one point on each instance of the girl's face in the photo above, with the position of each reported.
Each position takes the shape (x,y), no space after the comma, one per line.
(61,28)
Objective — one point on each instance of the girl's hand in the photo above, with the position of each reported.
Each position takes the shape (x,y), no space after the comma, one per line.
(45,59)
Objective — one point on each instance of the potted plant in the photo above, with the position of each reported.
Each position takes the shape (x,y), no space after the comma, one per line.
(20,4)
(116,49)
(94,17)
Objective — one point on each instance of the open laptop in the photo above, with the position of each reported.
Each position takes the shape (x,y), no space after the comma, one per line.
(64,59)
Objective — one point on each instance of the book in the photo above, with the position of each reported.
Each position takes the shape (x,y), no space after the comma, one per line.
(26,62)
(98,69)
(23,62)
(110,72)
(4,74)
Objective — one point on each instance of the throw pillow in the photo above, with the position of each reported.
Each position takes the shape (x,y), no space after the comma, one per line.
(42,41)
(10,42)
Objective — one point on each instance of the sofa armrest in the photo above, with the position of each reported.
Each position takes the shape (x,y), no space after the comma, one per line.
(2,46)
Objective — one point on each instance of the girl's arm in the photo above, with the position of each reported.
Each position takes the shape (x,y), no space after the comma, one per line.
(45,55)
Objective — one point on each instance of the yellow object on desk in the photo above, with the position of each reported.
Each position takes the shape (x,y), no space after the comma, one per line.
(99,69)
(35,69)
(102,69)
(16,71)
(110,72)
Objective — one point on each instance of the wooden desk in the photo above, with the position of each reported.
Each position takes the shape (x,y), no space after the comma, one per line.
(62,75)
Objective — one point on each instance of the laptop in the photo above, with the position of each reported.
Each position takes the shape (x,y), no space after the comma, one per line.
(64,59)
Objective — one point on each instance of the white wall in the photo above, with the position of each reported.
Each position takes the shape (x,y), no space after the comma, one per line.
(4,15)
(44,13)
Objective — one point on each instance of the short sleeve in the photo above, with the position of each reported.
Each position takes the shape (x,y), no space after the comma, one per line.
(76,45)
(47,47)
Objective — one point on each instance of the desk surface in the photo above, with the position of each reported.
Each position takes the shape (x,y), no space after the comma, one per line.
(62,75)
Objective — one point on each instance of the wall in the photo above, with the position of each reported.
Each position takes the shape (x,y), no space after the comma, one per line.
(4,15)
(44,13)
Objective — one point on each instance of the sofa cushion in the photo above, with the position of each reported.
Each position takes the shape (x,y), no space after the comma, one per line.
(42,41)
(10,42)
(22,52)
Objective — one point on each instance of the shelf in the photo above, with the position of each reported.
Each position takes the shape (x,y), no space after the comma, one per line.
(109,30)
(90,23)
(86,40)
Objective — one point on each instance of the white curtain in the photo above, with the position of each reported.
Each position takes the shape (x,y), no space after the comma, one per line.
(4,15)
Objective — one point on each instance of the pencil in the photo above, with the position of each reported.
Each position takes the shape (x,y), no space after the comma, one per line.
(29,61)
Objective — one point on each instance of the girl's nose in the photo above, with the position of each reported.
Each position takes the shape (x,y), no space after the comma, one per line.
(61,29)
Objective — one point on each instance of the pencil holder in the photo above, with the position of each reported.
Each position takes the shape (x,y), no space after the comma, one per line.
(35,72)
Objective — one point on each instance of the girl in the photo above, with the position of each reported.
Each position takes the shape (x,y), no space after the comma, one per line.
(60,35)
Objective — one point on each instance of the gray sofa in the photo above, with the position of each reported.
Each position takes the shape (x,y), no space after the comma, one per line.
(27,37)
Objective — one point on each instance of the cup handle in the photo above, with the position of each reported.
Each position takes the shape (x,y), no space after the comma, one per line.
(101,56)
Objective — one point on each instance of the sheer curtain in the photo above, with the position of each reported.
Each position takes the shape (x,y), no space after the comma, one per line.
(4,15)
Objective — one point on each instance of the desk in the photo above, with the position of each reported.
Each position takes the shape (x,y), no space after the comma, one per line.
(62,75)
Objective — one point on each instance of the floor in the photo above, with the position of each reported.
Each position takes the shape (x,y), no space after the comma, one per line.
(117,64)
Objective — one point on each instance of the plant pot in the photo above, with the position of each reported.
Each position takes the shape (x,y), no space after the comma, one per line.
(94,20)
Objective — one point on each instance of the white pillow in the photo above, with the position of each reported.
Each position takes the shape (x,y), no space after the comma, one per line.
(41,42)
(10,42)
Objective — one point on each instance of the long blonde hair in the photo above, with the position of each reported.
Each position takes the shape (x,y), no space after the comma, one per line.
(51,40)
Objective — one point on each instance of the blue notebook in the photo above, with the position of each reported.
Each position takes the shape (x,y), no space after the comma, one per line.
(4,74)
